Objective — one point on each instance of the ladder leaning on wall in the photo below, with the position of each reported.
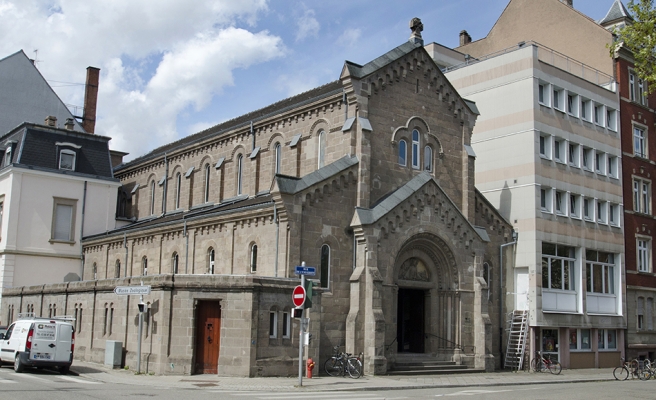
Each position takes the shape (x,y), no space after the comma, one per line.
(517,328)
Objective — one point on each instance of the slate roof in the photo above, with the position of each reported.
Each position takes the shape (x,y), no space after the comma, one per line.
(617,11)
(310,96)
(26,96)
(35,146)
(368,216)
(359,71)
(292,185)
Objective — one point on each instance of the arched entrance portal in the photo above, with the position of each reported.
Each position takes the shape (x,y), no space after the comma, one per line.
(427,299)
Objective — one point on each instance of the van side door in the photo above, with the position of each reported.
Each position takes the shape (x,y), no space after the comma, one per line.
(6,346)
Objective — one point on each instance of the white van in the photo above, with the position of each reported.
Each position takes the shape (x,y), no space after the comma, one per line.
(39,342)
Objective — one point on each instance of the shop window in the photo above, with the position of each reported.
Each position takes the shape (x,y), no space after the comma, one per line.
(606,339)
(579,339)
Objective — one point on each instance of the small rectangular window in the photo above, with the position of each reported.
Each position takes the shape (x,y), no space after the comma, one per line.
(587,158)
(545,146)
(559,150)
(586,112)
(588,205)
(63,220)
(545,199)
(611,119)
(559,99)
(644,255)
(273,325)
(573,104)
(602,212)
(600,163)
(639,142)
(543,93)
(561,204)
(286,325)
(599,114)
(632,79)
(573,156)
(67,160)
(574,206)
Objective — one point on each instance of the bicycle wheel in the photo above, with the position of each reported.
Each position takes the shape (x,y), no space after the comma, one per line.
(535,365)
(644,374)
(621,373)
(353,368)
(333,366)
(555,367)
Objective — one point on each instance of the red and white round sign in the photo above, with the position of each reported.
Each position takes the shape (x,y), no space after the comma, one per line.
(298,296)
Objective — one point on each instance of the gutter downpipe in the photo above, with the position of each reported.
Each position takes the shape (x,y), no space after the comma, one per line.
(84,203)
(501,297)
(275,218)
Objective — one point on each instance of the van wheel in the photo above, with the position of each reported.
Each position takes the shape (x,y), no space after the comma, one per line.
(18,365)
(63,370)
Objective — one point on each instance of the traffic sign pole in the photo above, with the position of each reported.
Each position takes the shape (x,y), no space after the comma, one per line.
(300,339)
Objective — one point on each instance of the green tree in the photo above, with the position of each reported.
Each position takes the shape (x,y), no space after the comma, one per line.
(640,38)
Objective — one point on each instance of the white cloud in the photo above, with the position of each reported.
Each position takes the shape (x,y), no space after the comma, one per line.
(156,58)
(307,26)
(349,37)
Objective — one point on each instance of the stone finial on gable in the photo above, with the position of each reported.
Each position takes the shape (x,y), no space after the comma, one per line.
(416,27)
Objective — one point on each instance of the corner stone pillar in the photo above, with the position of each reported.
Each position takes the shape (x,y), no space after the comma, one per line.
(374,319)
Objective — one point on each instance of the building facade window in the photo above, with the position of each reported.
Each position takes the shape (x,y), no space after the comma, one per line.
(632,79)
(641,196)
(545,199)
(117,269)
(67,160)
(278,157)
(253,261)
(8,156)
(428,159)
(545,146)
(574,158)
(144,266)
(415,149)
(639,142)
(559,150)
(210,261)
(95,272)
(580,339)
(560,202)
(174,263)
(640,313)
(588,208)
(587,158)
(403,153)
(600,272)
(643,246)
(641,93)
(325,266)
(273,324)
(63,220)
(606,339)
(152,197)
(206,192)
(321,156)
(558,267)
(598,114)
(240,159)
(178,188)
(286,325)
(574,206)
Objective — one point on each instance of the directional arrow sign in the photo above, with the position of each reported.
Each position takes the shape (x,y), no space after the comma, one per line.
(298,296)
(128,290)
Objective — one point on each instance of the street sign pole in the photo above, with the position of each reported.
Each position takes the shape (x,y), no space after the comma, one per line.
(140,330)
(300,339)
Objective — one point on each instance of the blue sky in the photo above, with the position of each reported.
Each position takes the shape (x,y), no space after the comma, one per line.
(170,68)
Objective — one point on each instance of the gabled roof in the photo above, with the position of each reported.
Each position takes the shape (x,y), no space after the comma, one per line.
(26,96)
(292,185)
(617,12)
(359,71)
(368,216)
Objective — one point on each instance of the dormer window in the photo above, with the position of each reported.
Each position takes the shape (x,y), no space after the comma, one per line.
(67,160)
(8,156)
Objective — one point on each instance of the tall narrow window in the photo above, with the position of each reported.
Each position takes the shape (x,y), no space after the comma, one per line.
(152,197)
(639,142)
(8,156)
(144,266)
(641,313)
(278,159)
(239,173)
(641,92)
(206,195)
(174,263)
(632,86)
(286,325)
(321,156)
(117,269)
(95,272)
(415,149)
(210,261)
(63,220)
(178,184)
(325,266)
(644,255)
(253,258)
(273,324)
(111,318)
(428,159)
(403,153)
(106,315)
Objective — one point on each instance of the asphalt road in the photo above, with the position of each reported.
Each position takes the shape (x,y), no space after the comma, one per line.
(50,385)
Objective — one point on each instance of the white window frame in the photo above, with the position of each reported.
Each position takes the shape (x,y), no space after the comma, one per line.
(614,214)
(559,151)
(545,88)
(586,158)
(67,152)
(613,166)
(573,104)
(558,99)
(277,150)
(55,234)
(611,119)
(598,114)
(641,195)
(574,154)
(580,341)
(641,98)
(8,156)
(602,212)
(544,146)
(574,206)
(428,158)
(586,109)
(560,202)
(600,163)
(546,199)
(643,254)
(604,344)
(640,141)
(632,85)
(416,146)
(608,276)
(588,208)
(286,325)
(566,262)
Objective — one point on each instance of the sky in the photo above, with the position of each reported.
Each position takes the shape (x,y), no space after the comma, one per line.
(171,68)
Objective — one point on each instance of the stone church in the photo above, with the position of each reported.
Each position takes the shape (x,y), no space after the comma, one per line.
(369,178)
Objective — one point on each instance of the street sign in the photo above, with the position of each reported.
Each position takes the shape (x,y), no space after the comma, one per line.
(298,296)
(303,270)
(130,290)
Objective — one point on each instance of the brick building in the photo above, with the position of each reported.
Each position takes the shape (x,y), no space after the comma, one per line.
(369,178)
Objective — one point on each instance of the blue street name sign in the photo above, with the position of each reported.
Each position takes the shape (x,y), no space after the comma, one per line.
(302,270)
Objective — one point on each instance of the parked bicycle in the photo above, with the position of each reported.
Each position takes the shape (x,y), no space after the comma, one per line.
(343,363)
(541,363)
(632,368)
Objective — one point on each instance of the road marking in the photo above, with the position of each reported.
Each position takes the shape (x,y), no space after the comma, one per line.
(33,377)
(71,379)
(473,392)
(304,395)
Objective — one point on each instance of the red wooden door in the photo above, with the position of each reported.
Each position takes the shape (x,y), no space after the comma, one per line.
(208,337)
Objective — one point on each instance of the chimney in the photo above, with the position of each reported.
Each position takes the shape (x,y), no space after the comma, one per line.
(464,37)
(568,2)
(416,26)
(51,120)
(90,99)
(69,124)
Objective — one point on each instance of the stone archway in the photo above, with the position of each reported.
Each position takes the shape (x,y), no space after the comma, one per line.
(425,305)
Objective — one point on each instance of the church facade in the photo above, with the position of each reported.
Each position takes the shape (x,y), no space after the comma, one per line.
(369,178)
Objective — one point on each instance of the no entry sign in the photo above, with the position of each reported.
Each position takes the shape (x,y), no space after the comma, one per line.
(298,296)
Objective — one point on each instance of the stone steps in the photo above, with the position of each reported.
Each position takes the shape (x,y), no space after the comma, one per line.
(423,365)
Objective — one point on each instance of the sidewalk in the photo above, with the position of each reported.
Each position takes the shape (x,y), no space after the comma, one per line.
(97,372)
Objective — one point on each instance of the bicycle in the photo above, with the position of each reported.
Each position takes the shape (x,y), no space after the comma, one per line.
(631,368)
(343,363)
(540,364)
